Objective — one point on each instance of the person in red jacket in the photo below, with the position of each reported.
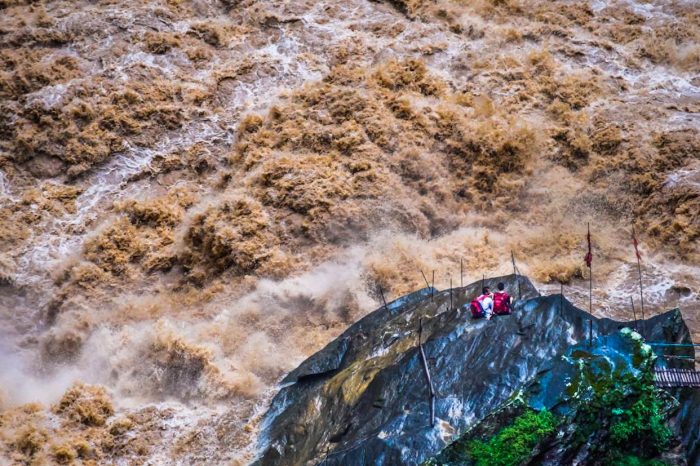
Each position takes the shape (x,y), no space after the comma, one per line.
(501,301)
(482,306)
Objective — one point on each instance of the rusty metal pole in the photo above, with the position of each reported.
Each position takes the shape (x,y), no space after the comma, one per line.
(515,272)
(561,298)
(381,292)
(426,371)
(590,295)
(450,293)
(641,295)
(641,287)
(427,285)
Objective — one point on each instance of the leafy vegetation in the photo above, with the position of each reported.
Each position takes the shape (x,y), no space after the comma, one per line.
(515,443)
(624,418)
(510,446)
(620,417)
(628,416)
(632,460)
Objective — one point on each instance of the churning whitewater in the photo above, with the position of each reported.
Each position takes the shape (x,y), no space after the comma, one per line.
(195,196)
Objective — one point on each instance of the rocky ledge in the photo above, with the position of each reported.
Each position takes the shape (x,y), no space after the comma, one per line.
(365,398)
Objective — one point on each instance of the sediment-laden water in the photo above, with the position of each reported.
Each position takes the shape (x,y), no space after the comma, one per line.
(195,196)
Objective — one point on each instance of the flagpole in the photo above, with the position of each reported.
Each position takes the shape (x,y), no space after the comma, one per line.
(590,306)
(561,298)
(641,287)
(450,292)
(590,289)
(641,295)
(634,314)
(515,271)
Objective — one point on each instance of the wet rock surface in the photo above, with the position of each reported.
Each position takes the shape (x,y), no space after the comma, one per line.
(689,423)
(364,399)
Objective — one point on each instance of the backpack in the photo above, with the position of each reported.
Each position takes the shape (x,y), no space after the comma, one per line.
(501,303)
(476,309)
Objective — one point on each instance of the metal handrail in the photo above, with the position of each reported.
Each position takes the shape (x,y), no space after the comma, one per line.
(673,345)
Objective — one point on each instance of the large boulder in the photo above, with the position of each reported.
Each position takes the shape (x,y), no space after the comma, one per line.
(364,399)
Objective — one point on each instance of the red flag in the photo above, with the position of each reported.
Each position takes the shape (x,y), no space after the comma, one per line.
(634,241)
(589,256)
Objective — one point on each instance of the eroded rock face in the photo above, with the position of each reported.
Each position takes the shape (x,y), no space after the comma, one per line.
(689,423)
(364,398)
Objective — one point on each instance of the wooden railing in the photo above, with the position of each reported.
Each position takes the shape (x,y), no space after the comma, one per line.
(670,378)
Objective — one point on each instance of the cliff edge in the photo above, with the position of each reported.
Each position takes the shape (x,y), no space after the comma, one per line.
(364,399)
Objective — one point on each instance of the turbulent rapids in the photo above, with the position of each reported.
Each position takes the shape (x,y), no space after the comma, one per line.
(197,195)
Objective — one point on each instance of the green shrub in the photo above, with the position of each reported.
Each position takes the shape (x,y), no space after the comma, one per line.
(642,423)
(620,417)
(631,460)
(626,416)
(515,443)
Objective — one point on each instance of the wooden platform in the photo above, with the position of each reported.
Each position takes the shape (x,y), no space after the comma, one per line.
(669,378)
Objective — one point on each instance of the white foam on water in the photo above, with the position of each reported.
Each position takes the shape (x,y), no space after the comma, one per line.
(105,186)
(145,59)
(597,5)
(183,420)
(5,190)
(611,298)
(49,96)
(687,176)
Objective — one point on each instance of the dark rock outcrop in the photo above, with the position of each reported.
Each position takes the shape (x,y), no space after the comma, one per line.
(688,420)
(364,399)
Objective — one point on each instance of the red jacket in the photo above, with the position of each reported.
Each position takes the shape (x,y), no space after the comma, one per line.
(501,303)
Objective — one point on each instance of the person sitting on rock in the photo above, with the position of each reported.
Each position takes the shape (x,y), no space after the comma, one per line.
(502,301)
(482,306)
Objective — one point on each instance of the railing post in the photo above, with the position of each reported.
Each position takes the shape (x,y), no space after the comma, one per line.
(450,293)
(426,370)
(381,292)
(561,298)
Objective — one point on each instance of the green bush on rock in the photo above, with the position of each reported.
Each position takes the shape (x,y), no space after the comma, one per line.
(515,443)
(637,461)
(624,419)
(613,413)
(509,446)
(634,416)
